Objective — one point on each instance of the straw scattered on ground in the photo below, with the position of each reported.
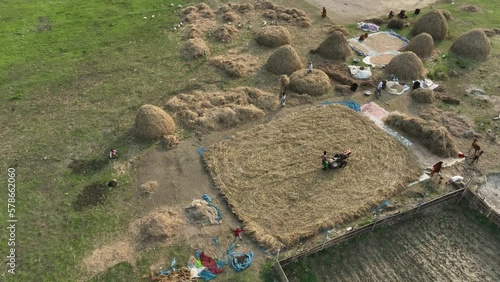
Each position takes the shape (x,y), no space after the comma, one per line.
(225,33)
(455,123)
(220,110)
(108,256)
(158,227)
(195,48)
(149,188)
(236,65)
(429,133)
(340,73)
(281,192)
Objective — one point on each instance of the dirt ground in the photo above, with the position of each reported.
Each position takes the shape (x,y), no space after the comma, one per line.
(442,244)
(182,177)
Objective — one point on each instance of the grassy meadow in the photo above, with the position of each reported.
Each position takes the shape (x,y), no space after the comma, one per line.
(72,75)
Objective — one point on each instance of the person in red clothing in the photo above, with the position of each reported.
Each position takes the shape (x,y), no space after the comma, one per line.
(436,168)
(237,233)
(113,153)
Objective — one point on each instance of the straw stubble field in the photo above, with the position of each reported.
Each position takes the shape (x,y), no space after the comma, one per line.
(275,169)
(445,243)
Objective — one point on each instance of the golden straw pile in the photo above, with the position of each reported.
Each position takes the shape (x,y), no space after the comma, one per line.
(272,177)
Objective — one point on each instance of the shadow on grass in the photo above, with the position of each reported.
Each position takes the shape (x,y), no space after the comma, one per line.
(88,166)
(92,195)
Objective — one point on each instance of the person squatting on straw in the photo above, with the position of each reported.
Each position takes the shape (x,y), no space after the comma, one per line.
(436,168)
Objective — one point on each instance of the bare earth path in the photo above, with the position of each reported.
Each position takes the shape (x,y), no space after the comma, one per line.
(345,11)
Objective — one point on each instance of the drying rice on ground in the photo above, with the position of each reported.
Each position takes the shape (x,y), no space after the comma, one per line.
(219,110)
(236,65)
(431,134)
(271,175)
(108,256)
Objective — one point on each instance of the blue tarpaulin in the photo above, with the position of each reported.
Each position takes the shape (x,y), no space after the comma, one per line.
(238,261)
(351,104)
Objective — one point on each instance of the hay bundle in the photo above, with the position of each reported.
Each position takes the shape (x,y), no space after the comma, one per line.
(193,32)
(219,110)
(470,9)
(335,46)
(225,33)
(284,60)
(203,6)
(406,66)
(158,225)
(189,10)
(209,14)
(152,123)
(422,95)
(433,23)
(191,17)
(250,186)
(447,15)
(450,100)
(182,274)
(236,65)
(284,81)
(396,23)
(316,83)
(196,48)
(473,45)
(245,8)
(224,8)
(422,45)
(264,5)
(230,17)
(273,36)
(344,90)
(340,28)
(429,133)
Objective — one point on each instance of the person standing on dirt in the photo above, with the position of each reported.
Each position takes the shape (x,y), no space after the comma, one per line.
(475,158)
(436,168)
(378,90)
(475,146)
(323,14)
(283,98)
(237,233)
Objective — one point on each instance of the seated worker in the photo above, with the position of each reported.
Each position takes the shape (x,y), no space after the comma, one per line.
(323,14)
(324,160)
(402,14)
(391,15)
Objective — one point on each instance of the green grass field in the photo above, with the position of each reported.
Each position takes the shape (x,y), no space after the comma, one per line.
(72,75)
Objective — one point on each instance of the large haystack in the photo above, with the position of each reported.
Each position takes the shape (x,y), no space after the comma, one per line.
(422,95)
(196,48)
(422,45)
(152,123)
(273,36)
(281,193)
(335,46)
(236,65)
(433,23)
(220,110)
(406,66)
(429,133)
(284,60)
(473,45)
(316,83)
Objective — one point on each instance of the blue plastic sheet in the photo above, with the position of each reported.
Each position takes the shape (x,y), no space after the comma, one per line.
(206,275)
(238,261)
(200,151)
(351,104)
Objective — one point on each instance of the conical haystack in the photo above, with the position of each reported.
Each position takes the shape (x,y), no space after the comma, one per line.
(472,45)
(422,45)
(434,23)
(196,48)
(406,66)
(273,36)
(335,46)
(152,123)
(284,60)
(316,83)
